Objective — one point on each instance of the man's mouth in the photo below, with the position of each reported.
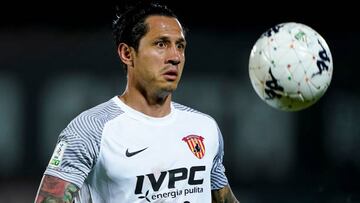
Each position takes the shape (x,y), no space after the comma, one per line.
(171,74)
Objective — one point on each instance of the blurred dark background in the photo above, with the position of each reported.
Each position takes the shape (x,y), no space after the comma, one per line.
(58,59)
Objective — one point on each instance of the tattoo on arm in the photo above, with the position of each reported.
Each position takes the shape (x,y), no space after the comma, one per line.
(223,195)
(55,190)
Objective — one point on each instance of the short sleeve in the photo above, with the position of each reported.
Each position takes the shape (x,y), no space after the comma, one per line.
(76,150)
(218,177)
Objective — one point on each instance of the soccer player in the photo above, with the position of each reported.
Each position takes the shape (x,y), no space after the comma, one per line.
(141,146)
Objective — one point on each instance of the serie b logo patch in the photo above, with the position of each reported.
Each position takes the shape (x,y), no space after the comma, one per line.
(57,156)
(196,145)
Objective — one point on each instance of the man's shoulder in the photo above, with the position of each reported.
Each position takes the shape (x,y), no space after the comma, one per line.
(97,115)
(193,112)
(104,109)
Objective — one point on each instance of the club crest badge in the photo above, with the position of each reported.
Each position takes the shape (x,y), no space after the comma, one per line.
(196,145)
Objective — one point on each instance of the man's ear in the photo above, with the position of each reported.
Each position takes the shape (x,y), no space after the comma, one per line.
(124,52)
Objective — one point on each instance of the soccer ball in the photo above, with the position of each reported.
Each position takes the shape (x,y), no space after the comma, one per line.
(290,66)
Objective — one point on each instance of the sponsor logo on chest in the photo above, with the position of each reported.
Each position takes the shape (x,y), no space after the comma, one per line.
(174,176)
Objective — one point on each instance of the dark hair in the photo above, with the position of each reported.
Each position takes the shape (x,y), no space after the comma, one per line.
(129,26)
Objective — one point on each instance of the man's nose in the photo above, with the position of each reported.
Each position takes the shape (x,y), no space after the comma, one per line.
(174,56)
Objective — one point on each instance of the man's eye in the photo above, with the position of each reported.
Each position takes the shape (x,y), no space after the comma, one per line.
(181,46)
(161,44)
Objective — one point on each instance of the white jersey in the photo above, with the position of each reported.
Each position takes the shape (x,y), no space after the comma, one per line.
(114,153)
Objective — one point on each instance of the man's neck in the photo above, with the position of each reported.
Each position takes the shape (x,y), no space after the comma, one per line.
(151,106)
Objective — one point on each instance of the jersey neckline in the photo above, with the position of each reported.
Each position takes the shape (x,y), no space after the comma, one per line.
(143,117)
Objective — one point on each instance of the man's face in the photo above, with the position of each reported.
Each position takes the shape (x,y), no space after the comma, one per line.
(159,61)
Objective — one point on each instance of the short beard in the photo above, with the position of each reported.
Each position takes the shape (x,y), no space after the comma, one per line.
(163,94)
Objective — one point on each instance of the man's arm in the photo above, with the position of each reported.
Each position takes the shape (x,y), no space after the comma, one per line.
(55,190)
(223,195)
